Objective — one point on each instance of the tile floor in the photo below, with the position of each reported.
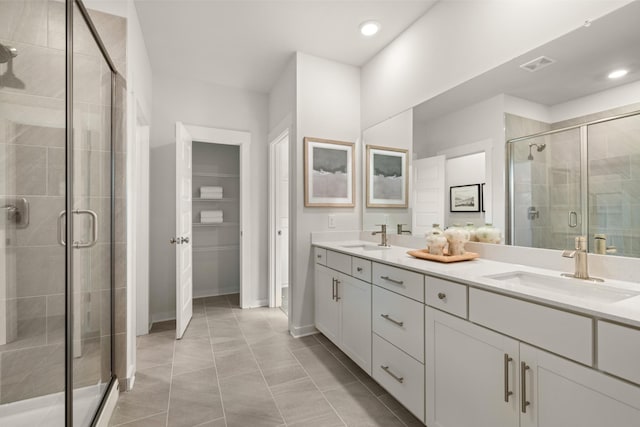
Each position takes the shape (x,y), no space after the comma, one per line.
(242,368)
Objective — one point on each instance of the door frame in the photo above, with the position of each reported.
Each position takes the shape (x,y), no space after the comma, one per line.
(273,176)
(243,140)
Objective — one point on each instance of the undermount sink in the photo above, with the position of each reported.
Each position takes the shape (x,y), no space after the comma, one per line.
(365,247)
(576,288)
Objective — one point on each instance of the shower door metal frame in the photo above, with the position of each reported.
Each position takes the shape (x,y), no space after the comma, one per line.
(584,178)
(69,206)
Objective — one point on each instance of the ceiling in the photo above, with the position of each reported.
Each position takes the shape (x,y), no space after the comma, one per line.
(247,44)
(584,58)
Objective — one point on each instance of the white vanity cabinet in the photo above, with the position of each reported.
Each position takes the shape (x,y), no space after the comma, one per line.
(471,374)
(478,377)
(343,311)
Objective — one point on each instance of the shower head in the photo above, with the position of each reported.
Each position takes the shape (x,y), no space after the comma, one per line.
(539,148)
(9,79)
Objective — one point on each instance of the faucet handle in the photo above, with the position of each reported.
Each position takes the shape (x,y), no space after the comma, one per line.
(568,254)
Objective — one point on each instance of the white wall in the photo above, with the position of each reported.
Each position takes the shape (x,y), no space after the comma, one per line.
(282,101)
(328,106)
(458,40)
(463,170)
(396,132)
(201,104)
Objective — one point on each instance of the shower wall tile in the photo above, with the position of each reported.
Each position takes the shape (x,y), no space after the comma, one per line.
(113,31)
(43,136)
(56,31)
(87,79)
(87,369)
(25,169)
(25,21)
(55,318)
(31,372)
(56,180)
(100,267)
(39,271)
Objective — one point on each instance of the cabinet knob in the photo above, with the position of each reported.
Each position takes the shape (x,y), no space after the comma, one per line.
(442,295)
(319,256)
(359,269)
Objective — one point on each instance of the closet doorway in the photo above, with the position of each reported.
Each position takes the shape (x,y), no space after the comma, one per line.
(212,208)
(279,291)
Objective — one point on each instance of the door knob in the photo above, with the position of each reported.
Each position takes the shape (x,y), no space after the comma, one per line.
(173,241)
(279,232)
(184,240)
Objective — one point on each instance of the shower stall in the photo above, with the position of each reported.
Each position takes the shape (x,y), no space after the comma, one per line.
(61,132)
(580,179)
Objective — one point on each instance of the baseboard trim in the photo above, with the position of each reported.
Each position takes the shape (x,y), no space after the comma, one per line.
(258,303)
(303,331)
(162,317)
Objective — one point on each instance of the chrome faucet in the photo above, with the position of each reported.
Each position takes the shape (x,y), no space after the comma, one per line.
(580,257)
(402,231)
(383,234)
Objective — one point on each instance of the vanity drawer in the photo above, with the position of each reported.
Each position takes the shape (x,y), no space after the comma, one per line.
(446,296)
(400,321)
(361,269)
(619,350)
(563,333)
(401,375)
(321,256)
(340,262)
(398,280)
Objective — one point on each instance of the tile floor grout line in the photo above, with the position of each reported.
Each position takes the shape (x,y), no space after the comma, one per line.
(262,373)
(316,385)
(215,365)
(138,419)
(364,385)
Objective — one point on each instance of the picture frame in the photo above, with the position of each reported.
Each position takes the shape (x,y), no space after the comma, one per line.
(387,172)
(482,196)
(329,170)
(464,198)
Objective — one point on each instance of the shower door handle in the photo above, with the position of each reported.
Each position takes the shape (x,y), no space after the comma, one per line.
(573,219)
(94,228)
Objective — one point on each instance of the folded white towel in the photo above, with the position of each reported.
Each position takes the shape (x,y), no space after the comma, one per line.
(211,213)
(216,189)
(206,220)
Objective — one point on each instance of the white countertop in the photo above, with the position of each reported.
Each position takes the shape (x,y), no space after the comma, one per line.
(626,311)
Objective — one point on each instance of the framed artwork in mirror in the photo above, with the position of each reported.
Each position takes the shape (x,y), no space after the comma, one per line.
(328,173)
(387,183)
(464,198)
(482,196)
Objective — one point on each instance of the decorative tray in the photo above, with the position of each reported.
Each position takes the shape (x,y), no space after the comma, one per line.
(424,254)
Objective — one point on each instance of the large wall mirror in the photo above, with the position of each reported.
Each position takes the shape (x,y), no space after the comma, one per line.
(554,164)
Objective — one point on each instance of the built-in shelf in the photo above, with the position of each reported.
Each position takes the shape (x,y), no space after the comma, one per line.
(214,174)
(216,248)
(198,199)
(216,224)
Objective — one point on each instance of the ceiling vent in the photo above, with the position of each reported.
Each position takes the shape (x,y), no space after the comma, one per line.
(538,64)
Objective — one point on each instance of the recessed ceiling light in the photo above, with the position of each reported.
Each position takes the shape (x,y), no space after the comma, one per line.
(617,74)
(369,28)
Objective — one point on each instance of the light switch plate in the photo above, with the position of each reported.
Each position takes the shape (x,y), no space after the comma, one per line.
(332,221)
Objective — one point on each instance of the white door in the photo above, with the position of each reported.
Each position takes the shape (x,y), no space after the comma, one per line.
(428,194)
(184,267)
(470,381)
(355,298)
(282,218)
(564,394)
(327,307)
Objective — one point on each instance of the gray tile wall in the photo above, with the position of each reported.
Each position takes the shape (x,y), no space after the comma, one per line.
(32,140)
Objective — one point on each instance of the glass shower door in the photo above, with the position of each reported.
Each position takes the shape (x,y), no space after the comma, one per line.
(546,190)
(92,160)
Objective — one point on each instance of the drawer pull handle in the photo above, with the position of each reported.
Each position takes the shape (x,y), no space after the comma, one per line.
(337,289)
(395,377)
(359,269)
(507,393)
(319,256)
(388,279)
(523,384)
(442,295)
(333,288)
(397,322)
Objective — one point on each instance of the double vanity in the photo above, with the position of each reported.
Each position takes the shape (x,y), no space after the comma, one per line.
(483,343)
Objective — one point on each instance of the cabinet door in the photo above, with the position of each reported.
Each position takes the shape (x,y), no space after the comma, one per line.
(565,394)
(355,299)
(470,374)
(327,307)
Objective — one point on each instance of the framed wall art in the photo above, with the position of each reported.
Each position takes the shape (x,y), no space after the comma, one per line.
(387,180)
(464,198)
(329,168)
